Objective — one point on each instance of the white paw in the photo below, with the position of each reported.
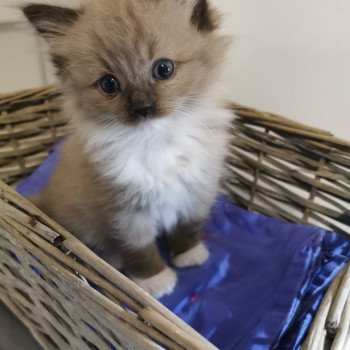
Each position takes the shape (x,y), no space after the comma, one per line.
(194,257)
(158,285)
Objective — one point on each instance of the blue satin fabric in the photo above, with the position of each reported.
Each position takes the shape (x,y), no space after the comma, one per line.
(263,283)
(264,280)
(38,180)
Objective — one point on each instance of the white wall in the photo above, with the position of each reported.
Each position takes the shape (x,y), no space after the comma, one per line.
(21,58)
(21,64)
(290,57)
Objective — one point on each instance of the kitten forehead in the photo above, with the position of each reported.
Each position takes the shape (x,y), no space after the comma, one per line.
(143,27)
(127,36)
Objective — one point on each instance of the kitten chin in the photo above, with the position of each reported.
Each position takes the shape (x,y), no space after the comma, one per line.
(149,135)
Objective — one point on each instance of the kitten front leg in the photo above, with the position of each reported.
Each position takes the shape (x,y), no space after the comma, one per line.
(141,257)
(186,245)
(147,269)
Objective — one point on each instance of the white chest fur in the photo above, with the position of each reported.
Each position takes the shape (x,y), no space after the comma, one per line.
(169,166)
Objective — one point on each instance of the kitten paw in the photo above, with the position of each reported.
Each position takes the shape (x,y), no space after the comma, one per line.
(194,257)
(158,285)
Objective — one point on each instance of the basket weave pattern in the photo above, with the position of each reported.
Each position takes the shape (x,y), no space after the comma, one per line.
(276,167)
(29,123)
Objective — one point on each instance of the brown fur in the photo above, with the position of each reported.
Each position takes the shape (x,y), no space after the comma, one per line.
(203,17)
(143,263)
(123,38)
(184,237)
(76,197)
(57,16)
(135,34)
(79,199)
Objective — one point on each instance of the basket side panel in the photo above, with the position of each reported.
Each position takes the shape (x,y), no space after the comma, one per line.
(54,303)
(30,122)
(285,170)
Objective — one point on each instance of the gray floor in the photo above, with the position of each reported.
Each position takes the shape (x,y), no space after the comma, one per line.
(13,335)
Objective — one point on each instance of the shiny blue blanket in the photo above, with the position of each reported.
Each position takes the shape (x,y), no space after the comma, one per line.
(264,280)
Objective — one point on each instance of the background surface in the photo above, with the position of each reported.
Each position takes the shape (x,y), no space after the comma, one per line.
(290,57)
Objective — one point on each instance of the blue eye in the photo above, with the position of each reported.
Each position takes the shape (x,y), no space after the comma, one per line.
(163,69)
(109,84)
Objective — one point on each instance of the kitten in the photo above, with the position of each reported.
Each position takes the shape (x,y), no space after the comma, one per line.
(149,134)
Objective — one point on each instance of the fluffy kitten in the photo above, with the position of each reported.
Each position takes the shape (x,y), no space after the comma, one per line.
(149,136)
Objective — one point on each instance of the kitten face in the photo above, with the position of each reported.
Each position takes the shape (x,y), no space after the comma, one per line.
(127,61)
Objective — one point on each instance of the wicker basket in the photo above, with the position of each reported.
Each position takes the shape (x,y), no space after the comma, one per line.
(281,168)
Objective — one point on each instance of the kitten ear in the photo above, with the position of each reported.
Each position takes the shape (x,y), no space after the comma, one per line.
(50,21)
(204,18)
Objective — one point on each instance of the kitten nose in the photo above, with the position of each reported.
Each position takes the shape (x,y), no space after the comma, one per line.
(143,111)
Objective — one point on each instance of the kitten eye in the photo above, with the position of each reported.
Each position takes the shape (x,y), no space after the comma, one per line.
(163,69)
(109,84)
